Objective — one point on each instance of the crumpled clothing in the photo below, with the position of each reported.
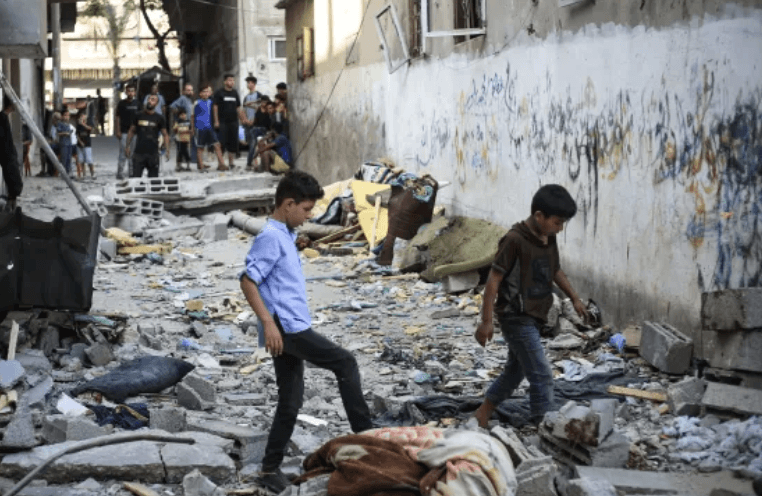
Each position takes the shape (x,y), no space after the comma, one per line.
(402,461)
(577,370)
(132,416)
(375,172)
(422,190)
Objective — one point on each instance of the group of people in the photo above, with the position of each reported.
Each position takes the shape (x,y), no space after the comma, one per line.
(519,290)
(71,143)
(219,121)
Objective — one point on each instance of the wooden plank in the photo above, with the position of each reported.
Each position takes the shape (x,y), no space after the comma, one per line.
(145,249)
(638,393)
(632,337)
(140,489)
(375,223)
(13,339)
(338,234)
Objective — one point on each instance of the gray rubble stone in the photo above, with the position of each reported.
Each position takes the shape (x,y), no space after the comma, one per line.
(732,398)
(446,314)
(10,373)
(60,428)
(203,387)
(738,350)
(138,460)
(317,486)
(462,281)
(590,487)
(732,309)
(19,434)
(108,248)
(78,351)
(195,484)
(189,398)
(35,398)
(216,228)
(198,329)
(49,340)
(34,361)
(99,354)
(632,481)
(537,480)
(246,399)
(212,462)
(605,409)
(614,451)
(666,348)
(684,397)
(167,418)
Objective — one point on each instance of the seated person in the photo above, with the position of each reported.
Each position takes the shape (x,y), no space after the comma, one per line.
(275,150)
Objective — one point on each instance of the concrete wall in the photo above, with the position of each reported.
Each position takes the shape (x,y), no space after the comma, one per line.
(261,22)
(653,122)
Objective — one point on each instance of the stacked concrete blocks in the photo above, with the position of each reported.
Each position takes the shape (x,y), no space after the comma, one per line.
(666,348)
(149,186)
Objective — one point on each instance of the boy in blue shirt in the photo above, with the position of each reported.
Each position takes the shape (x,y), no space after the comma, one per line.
(522,276)
(205,135)
(274,286)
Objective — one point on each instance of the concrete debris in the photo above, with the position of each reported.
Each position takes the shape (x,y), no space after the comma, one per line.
(195,484)
(168,418)
(724,397)
(590,487)
(666,348)
(460,282)
(736,350)
(60,428)
(685,396)
(732,309)
(11,371)
(20,434)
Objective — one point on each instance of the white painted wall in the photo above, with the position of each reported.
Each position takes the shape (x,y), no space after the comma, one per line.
(657,133)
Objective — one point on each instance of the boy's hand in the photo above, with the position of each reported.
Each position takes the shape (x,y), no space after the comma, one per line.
(581,309)
(273,339)
(484,333)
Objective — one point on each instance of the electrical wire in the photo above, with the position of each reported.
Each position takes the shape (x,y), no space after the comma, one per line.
(335,83)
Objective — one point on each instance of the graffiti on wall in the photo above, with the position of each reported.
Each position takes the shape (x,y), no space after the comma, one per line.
(711,158)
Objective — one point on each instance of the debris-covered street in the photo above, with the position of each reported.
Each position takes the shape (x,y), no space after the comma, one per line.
(168,367)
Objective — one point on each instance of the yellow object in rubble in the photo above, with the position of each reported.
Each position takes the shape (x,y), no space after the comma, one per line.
(366,213)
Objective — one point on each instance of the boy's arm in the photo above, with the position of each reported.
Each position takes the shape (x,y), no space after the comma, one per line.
(563,283)
(485,330)
(273,340)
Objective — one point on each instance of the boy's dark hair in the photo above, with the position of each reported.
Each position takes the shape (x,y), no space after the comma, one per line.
(228,76)
(281,86)
(129,85)
(252,79)
(279,98)
(205,86)
(264,98)
(278,127)
(182,112)
(298,185)
(553,199)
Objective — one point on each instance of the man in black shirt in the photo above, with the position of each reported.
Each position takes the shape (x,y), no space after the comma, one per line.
(9,159)
(147,126)
(227,111)
(125,114)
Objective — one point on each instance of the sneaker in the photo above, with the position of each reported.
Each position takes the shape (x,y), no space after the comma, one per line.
(274,481)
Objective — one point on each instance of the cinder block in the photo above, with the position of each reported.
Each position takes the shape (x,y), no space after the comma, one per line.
(666,348)
(732,309)
(739,350)
(463,281)
(216,228)
(684,397)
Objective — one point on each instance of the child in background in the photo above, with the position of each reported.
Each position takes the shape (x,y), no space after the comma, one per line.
(182,132)
(64,137)
(84,143)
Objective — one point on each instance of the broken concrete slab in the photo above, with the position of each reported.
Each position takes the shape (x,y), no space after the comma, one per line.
(167,418)
(684,397)
(724,397)
(246,399)
(202,386)
(195,484)
(732,309)
(212,462)
(188,228)
(666,348)
(61,428)
(590,487)
(191,399)
(138,460)
(739,350)
(19,434)
(460,282)
(35,398)
(652,483)
(11,371)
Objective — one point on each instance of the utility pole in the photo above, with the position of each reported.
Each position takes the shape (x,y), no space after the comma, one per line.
(55,20)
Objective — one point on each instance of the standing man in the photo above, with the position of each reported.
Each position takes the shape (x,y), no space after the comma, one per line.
(227,111)
(126,111)
(148,125)
(9,159)
(185,102)
(250,105)
(162,105)
(102,111)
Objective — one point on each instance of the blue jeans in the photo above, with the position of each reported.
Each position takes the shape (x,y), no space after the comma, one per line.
(66,158)
(526,358)
(252,133)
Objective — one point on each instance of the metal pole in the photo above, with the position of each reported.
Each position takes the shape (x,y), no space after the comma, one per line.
(55,20)
(27,117)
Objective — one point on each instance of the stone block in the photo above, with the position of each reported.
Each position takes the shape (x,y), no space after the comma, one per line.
(725,397)
(684,397)
(202,386)
(614,451)
(739,350)
(19,434)
(590,487)
(732,309)
(167,418)
(195,484)
(462,281)
(11,371)
(180,459)
(190,398)
(216,228)
(60,428)
(99,354)
(666,348)
(108,248)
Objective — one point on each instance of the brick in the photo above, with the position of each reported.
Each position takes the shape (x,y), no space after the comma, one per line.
(684,397)
(463,281)
(732,309)
(732,398)
(666,348)
(739,350)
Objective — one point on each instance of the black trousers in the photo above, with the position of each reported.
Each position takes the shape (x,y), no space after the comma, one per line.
(289,372)
(148,161)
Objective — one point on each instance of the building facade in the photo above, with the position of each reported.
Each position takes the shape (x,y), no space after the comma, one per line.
(649,112)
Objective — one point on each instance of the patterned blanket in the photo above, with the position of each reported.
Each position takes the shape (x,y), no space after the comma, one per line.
(410,461)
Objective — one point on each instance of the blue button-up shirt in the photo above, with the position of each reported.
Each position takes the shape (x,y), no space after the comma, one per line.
(273,263)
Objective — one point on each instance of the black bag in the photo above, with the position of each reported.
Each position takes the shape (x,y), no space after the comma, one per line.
(47,264)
